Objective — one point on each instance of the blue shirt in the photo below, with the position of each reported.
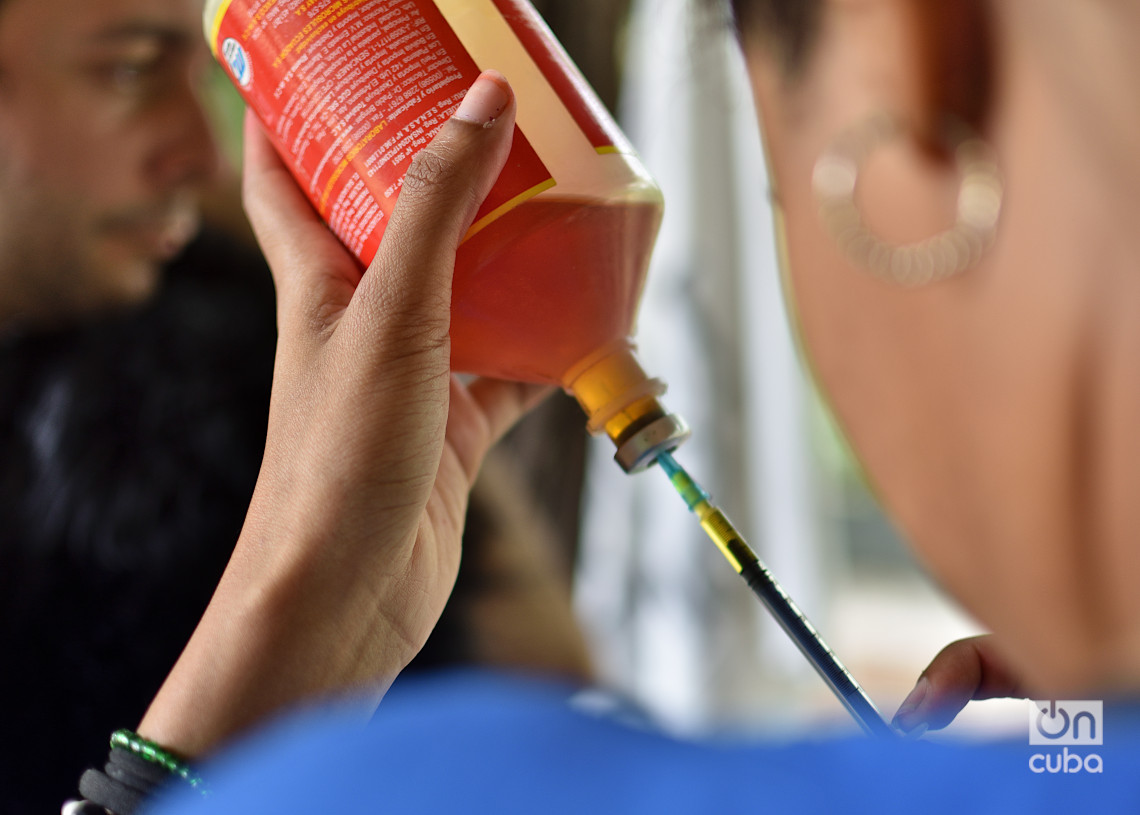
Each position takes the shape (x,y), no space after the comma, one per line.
(479,742)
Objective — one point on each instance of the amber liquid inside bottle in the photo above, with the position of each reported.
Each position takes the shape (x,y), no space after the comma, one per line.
(560,276)
(550,283)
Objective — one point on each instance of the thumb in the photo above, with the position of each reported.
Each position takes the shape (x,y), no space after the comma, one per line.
(965,670)
(409,281)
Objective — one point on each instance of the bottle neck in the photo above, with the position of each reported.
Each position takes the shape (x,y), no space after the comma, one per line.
(621,400)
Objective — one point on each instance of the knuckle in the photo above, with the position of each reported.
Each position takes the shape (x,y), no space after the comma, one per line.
(424,324)
(251,203)
(424,348)
(430,170)
(413,316)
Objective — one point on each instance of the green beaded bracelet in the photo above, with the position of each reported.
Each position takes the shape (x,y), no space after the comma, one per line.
(154,754)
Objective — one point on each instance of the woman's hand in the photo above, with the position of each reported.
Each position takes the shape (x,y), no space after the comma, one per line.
(965,670)
(352,541)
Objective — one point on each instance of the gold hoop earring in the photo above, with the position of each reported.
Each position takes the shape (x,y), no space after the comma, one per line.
(836,177)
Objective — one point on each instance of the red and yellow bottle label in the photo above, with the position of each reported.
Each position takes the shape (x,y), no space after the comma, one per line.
(349,91)
(585,108)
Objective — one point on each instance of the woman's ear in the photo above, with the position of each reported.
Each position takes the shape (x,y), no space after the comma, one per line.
(924,66)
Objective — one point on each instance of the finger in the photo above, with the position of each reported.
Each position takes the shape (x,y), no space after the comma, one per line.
(313,272)
(281,215)
(483,411)
(409,281)
(268,187)
(504,403)
(965,670)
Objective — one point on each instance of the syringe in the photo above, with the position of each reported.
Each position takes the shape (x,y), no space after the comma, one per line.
(775,599)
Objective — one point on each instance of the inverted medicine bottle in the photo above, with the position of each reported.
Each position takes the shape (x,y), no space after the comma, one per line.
(548,279)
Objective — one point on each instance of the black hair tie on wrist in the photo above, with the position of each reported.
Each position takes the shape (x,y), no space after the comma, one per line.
(123,784)
(135,769)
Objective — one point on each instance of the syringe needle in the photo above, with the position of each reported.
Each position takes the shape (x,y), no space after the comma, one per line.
(775,599)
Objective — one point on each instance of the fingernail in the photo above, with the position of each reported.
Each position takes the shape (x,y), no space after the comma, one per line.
(917,732)
(905,719)
(485,100)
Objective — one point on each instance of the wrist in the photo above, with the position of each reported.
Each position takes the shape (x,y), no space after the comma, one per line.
(272,637)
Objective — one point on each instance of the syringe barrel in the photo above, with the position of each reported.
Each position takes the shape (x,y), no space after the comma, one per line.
(812,646)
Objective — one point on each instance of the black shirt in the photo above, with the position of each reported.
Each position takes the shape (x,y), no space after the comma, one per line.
(129,448)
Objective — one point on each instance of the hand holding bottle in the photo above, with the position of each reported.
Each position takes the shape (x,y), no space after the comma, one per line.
(352,541)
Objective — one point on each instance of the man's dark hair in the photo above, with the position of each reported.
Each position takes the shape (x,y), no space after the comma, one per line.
(790,25)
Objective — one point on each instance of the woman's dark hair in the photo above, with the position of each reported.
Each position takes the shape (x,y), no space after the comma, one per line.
(790,25)
(956,41)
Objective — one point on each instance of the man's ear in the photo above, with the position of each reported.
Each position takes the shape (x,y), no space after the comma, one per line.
(955,49)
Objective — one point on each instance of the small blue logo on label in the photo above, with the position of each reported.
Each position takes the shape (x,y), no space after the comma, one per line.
(238,60)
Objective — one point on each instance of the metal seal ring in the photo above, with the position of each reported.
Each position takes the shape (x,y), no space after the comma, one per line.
(660,436)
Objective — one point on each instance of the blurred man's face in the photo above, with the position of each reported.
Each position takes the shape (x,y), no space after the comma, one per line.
(102,144)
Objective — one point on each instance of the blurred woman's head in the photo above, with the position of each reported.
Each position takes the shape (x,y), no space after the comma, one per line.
(991,396)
